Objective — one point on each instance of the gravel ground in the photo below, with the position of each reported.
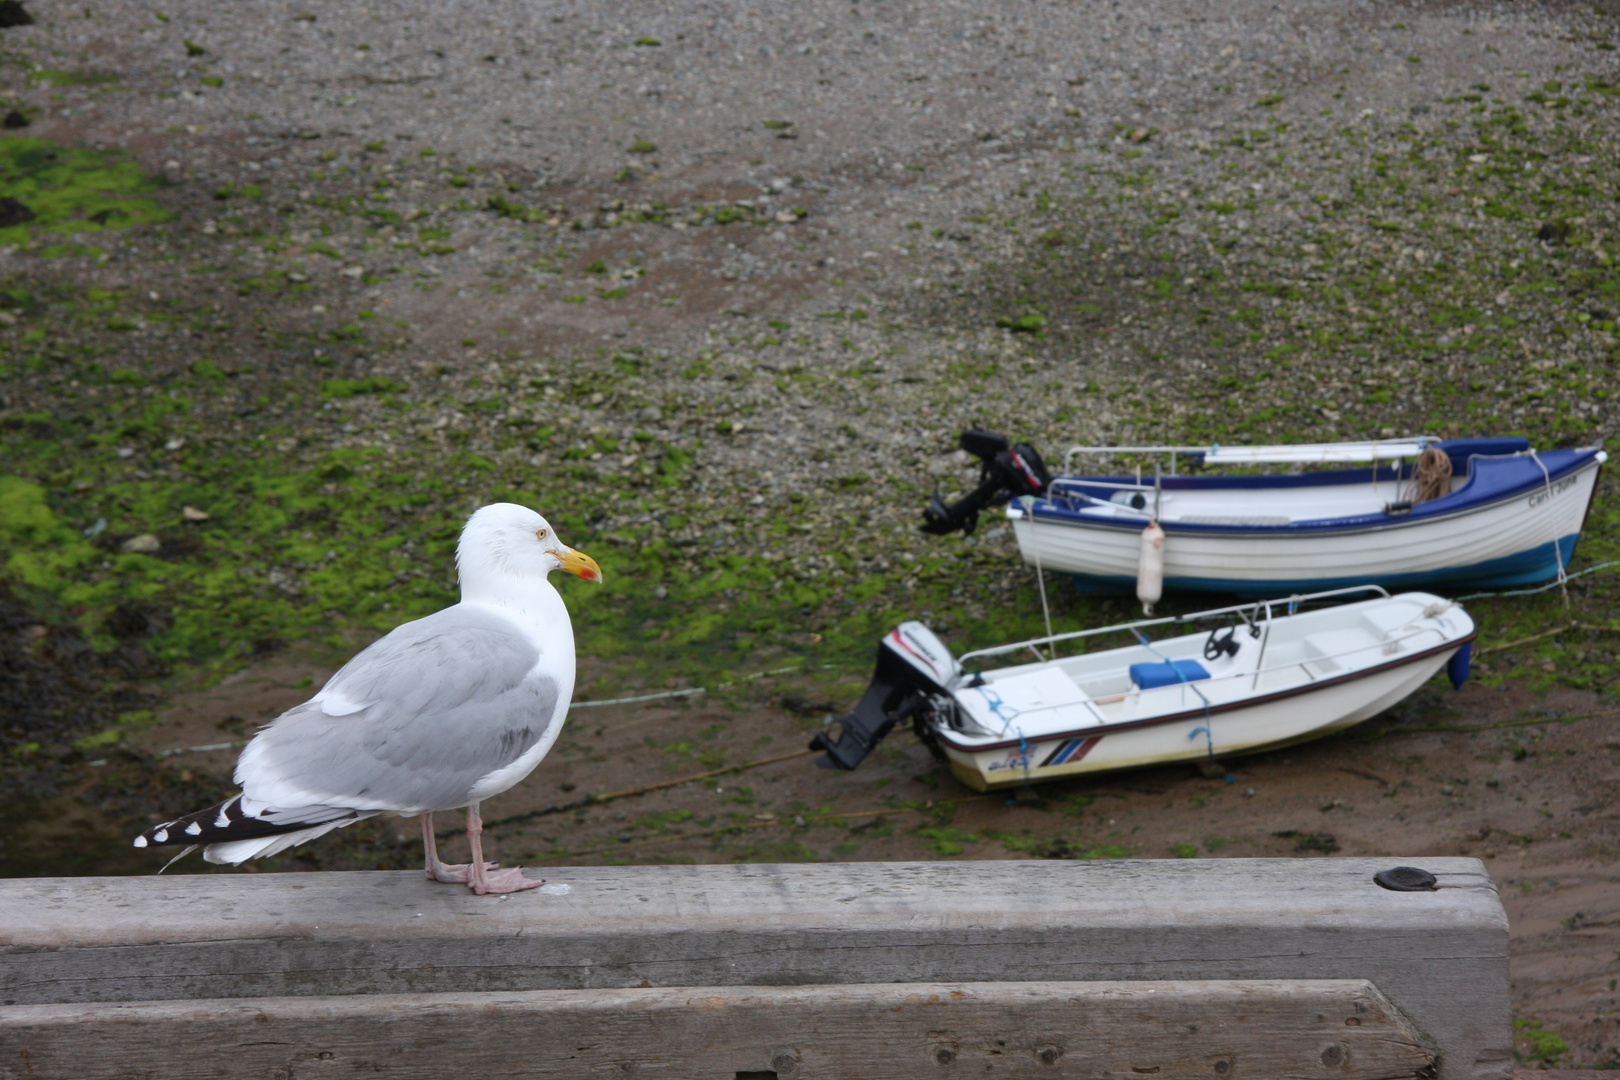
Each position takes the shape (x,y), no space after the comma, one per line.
(1128,174)
(716,285)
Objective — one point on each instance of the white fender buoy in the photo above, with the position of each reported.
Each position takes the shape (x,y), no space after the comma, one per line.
(1150,567)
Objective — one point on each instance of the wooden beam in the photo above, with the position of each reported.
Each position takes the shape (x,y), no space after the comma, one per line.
(1440,956)
(1220,1030)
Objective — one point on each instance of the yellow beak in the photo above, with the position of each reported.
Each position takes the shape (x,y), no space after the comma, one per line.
(580,565)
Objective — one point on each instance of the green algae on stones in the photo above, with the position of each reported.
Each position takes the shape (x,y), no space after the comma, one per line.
(71,191)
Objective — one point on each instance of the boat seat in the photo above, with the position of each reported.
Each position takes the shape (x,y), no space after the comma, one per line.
(1388,619)
(1325,652)
(1033,696)
(1168,673)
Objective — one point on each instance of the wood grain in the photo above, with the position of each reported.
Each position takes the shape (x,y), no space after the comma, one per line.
(1441,957)
(1170,1030)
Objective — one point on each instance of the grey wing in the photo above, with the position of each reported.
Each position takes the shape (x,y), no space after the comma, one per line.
(411,723)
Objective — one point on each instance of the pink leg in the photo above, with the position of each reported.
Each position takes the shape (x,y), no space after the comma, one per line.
(438,871)
(482,880)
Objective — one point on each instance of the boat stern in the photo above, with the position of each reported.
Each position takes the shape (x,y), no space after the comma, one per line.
(912,665)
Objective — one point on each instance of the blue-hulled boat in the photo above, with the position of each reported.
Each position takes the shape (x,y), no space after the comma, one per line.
(1495,514)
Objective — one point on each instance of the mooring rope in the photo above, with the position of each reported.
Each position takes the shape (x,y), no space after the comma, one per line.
(1023,752)
(1040,578)
(1558,550)
(1542,588)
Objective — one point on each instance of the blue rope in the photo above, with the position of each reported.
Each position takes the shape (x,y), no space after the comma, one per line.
(1186,684)
(996,705)
(1209,739)
(1023,750)
(1143,640)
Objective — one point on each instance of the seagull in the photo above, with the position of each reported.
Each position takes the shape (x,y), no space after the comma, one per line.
(439,714)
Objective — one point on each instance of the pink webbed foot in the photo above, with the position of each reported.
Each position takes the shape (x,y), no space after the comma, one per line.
(484,881)
(458,874)
(510,880)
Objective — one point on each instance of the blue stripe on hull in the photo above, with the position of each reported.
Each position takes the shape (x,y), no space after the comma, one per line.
(1529,567)
(1495,481)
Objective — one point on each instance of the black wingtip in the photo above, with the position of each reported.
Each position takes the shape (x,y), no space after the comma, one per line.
(220,824)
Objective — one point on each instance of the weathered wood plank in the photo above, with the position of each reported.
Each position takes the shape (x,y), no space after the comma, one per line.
(1225,1030)
(1440,956)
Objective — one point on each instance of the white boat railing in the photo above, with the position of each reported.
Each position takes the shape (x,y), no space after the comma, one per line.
(1111,485)
(1067,488)
(1214,698)
(1254,606)
(1300,454)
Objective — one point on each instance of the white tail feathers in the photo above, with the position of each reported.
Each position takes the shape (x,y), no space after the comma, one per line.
(236,852)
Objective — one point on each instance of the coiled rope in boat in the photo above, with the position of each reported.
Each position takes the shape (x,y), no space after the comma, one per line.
(1431,476)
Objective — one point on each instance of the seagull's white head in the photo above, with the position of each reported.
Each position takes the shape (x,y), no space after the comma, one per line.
(504,541)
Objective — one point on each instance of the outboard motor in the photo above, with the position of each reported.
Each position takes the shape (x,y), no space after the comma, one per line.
(1006,472)
(912,666)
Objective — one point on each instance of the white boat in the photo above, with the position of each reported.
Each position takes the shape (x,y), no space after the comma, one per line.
(1266,674)
(1507,515)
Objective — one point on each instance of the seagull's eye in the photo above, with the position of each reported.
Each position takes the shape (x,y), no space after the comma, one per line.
(540,534)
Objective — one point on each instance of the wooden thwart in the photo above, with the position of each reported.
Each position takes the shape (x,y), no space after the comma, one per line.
(1198,1030)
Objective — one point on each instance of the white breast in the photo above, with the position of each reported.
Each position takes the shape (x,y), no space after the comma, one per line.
(544,619)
